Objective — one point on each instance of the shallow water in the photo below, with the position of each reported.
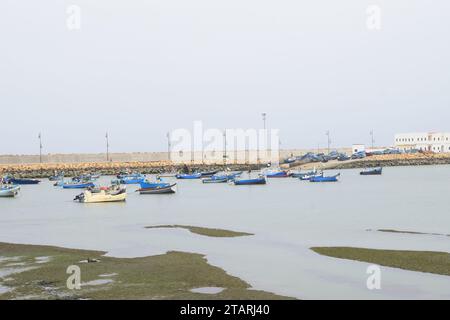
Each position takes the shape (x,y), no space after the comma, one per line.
(287,216)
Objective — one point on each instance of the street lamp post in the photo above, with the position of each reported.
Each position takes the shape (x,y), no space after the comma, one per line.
(372,138)
(329,140)
(40,147)
(107,146)
(168,146)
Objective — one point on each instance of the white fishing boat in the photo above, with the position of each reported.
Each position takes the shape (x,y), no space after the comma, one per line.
(9,191)
(103,195)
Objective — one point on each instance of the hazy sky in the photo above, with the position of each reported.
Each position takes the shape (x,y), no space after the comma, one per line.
(139,68)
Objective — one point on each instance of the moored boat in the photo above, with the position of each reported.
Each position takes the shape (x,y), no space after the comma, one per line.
(250,181)
(171,188)
(9,191)
(132,180)
(189,176)
(209,173)
(325,178)
(372,172)
(102,195)
(277,174)
(215,179)
(78,185)
(19,181)
(146,184)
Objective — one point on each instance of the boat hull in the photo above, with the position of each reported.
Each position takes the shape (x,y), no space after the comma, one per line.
(9,192)
(373,172)
(246,182)
(159,190)
(23,181)
(150,185)
(189,176)
(102,196)
(78,186)
(324,179)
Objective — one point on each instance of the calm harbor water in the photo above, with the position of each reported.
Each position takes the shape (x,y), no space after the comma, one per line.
(287,216)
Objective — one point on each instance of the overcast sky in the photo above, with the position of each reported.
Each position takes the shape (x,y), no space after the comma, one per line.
(139,68)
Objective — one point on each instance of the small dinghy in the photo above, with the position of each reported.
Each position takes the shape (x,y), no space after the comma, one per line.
(9,191)
(277,174)
(245,182)
(78,185)
(372,172)
(209,173)
(149,185)
(132,180)
(189,176)
(216,179)
(172,188)
(325,179)
(102,195)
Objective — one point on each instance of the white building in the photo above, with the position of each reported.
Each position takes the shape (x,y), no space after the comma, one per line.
(437,142)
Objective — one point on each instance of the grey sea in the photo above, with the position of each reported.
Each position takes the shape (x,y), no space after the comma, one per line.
(287,217)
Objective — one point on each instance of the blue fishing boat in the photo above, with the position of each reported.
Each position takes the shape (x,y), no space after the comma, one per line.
(9,191)
(148,185)
(243,182)
(216,179)
(132,180)
(372,172)
(128,175)
(325,179)
(78,185)
(21,181)
(310,175)
(189,176)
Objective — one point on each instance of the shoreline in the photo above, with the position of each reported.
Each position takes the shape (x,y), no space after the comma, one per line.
(40,272)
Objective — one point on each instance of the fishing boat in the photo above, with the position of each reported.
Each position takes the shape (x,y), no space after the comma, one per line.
(19,181)
(132,180)
(159,183)
(325,179)
(9,191)
(102,195)
(209,173)
(372,172)
(250,181)
(124,175)
(215,179)
(171,188)
(189,176)
(309,176)
(277,174)
(78,185)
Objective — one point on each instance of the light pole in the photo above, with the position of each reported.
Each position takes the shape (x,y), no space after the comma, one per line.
(107,146)
(168,146)
(264,120)
(329,140)
(224,148)
(372,138)
(40,147)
